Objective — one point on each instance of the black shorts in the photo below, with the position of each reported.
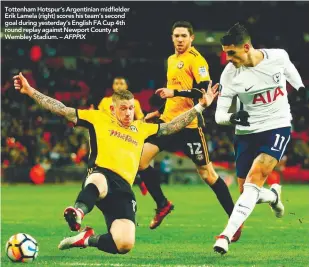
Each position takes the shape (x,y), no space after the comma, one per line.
(120,202)
(192,142)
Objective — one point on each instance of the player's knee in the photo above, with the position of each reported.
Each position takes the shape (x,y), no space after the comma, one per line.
(143,165)
(208,173)
(257,174)
(100,182)
(125,245)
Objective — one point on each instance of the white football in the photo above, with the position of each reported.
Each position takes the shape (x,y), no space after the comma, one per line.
(22,248)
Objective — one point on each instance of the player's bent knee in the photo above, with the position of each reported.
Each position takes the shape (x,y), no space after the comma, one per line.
(100,181)
(123,232)
(124,243)
(124,246)
(208,173)
(149,152)
(143,165)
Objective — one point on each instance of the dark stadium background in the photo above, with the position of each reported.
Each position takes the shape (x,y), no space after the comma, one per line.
(80,73)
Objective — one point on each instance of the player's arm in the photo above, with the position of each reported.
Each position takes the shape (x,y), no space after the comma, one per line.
(292,74)
(21,84)
(191,93)
(294,79)
(186,118)
(200,73)
(222,115)
(155,114)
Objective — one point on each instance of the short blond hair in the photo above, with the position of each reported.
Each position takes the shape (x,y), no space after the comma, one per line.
(122,95)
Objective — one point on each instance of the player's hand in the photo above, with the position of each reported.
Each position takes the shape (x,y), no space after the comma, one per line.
(21,84)
(240,117)
(210,95)
(165,93)
(151,116)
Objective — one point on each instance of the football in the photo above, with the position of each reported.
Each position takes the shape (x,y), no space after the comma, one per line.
(22,248)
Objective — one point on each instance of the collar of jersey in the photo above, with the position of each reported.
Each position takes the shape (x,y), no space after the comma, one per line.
(185,53)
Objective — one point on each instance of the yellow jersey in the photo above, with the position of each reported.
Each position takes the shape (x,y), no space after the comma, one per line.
(182,72)
(112,146)
(106,102)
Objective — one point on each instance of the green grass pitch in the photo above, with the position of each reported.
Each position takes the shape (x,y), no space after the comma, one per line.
(185,238)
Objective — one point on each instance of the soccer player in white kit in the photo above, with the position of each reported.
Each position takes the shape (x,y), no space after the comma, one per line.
(263,121)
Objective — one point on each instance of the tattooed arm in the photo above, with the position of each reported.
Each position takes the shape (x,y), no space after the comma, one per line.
(184,119)
(178,123)
(53,105)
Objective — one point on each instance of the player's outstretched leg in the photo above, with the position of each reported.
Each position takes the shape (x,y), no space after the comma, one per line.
(78,241)
(95,187)
(243,208)
(164,207)
(120,239)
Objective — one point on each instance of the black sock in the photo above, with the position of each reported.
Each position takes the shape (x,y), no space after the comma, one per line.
(153,185)
(103,242)
(223,195)
(87,198)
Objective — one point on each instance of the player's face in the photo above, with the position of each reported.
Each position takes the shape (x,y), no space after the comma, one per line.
(238,55)
(124,111)
(120,84)
(182,39)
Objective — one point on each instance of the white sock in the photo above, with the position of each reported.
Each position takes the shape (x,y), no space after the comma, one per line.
(266,196)
(242,209)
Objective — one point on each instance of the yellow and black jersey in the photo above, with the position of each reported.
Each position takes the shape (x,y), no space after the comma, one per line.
(183,71)
(106,102)
(112,146)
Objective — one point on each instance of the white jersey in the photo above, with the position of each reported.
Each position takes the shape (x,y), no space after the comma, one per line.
(261,91)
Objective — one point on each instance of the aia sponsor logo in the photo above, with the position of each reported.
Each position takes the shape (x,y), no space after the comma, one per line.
(123,136)
(268,96)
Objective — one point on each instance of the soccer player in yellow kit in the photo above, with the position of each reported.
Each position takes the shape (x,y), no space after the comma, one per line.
(116,144)
(120,83)
(187,73)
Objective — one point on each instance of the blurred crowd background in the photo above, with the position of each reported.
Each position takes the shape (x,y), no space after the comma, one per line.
(80,74)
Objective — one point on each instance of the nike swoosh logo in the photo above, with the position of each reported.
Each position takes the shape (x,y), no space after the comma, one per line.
(243,206)
(274,149)
(238,120)
(248,88)
(32,249)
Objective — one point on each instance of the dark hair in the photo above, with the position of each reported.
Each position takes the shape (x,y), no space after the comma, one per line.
(122,78)
(183,24)
(236,35)
(122,95)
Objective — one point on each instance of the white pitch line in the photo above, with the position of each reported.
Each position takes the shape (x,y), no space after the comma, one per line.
(121,265)
(210,226)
